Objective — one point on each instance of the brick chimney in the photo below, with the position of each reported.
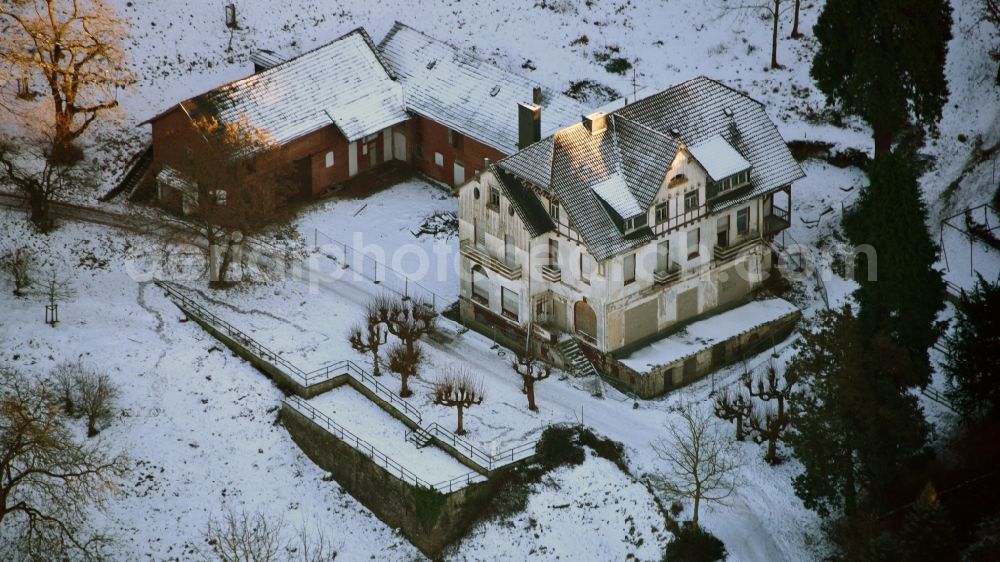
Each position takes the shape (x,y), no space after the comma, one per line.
(529,124)
(595,122)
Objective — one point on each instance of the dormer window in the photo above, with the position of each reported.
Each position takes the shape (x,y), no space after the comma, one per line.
(730,183)
(634,223)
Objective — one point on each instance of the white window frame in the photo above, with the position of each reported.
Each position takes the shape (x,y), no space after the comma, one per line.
(329,159)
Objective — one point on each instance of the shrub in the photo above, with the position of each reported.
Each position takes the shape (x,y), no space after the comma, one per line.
(559,446)
(694,544)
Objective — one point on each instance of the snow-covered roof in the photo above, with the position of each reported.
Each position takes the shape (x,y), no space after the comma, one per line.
(171,177)
(615,193)
(344,82)
(467,94)
(718,157)
(639,145)
(704,334)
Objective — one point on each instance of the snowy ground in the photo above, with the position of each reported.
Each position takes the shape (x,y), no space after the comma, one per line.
(200,422)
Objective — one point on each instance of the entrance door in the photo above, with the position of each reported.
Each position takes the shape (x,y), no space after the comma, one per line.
(372,154)
(352,159)
(585,321)
(459,174)
(399,146)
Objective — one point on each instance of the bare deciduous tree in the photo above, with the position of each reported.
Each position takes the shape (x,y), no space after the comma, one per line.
(26,164)
(48,481)
(369,337)
(733,405)
(992,14)
(65,377)
(769,423)
(530,372)
(795,21)
(234,185)
(73,50)
(18,262)
(769,8)
(408,320)
(98,396)
(457,389)
(253,537)
(700,462)
(404,362)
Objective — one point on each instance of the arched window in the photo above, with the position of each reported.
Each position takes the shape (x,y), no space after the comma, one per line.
(480,285)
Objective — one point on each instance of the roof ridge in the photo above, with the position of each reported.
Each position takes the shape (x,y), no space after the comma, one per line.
(474,56)
(282,64)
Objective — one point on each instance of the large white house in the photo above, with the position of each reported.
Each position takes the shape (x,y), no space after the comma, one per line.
(618,228)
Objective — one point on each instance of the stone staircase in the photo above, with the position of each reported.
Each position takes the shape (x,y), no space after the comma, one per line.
(580,366)
(419,437)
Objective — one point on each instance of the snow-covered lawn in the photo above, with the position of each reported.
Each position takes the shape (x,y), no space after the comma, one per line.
(370,423)
(200,422)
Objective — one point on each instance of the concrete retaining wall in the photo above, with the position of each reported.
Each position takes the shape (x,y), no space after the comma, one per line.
(664,378)
(429,519)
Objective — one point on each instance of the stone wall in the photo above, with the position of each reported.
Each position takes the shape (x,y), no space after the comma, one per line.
(664,378)
(429,519)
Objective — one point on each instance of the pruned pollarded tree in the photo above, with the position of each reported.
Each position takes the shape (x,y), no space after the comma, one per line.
(49,481)
(369,336)
(769,422)
(458,389)
(26,165)
(530,372)
(72,50)
(733,405)
(234,187)
(408,320)
(97,399)
(404,361)
(700,462)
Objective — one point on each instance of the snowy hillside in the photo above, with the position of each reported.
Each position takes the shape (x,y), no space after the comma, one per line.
(199,424)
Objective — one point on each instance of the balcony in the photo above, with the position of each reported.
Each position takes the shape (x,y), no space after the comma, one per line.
(777,221)
(669,275)
(551,274)
(726,252)
(483,258)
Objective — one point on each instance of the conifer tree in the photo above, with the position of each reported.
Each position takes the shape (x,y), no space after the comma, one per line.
(853,428)
(900,292)
(972,363)
(927,534)
(884,61)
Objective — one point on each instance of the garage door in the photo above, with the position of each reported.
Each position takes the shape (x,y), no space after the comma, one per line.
(640,322)
(732,285)
(687,304)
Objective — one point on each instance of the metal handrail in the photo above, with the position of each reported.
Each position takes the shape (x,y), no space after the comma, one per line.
(369,450)
(351,369)
(436,299)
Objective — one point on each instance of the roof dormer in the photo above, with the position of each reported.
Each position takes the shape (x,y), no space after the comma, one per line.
(727,169)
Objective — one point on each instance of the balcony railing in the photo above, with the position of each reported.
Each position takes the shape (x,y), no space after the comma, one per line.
(551,274)
(483,258)
(732,249)
(777,221)
(669,275)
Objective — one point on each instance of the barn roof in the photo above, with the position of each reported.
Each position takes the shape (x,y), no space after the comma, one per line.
(620,169)
(467,94)
(344,82)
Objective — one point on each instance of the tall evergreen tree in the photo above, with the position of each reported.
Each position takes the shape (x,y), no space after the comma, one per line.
(972,363)
(884,61)
(853,427)
(900,293)
(927,534)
